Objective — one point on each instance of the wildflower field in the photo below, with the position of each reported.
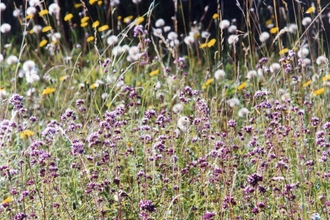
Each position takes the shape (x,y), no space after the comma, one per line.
(108,110)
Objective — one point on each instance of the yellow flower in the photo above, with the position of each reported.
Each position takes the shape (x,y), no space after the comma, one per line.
(138,83)
(95,24)
(83,24)
(215,16)
(90,38)
(29,16)
(270,21)
(26,133)
(242,86)
(43,12)
(211,42)
(326,78)
(43,43)
(310,10)
(139,20)
(203,45)
(77,5)
(31,31)
(45,29)
(48,91)
(318,92)
(128,19)
(62,78)
(274,30)
(119,18)
(99,3)
(84,19)
(9,199)
(93,86)
(153,73)
(208,82)
(92,1)
(68,17)
(283,51)
(103,28)
(307,83)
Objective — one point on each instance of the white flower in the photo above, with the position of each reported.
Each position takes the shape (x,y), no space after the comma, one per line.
(1,58)
(172,36)
(205,34)
(160,23)
(56,36)
(264,36)
(12,59)
(219,74)
(232,29)
(28,65)
(275,67)
(306,21)
(34,3)
(183,123)
(114,3)
(31,11)
(243,111)
(251,74)
(233,39)
(321,60)
(5,28)
(189,40)
(303,52)
(2,6)
(224,24)
(16,12)
(167,28)
(315,77)
(112,40)
(233,102)
(177,108)
(54,10)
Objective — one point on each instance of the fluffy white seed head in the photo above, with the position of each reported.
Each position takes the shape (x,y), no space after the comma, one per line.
(12,59)
(5,28)
(112,40)
(2,6)
(160,23)
(232,29)
(189,40)
(28,65)
(306,21)
(224,24)
(219,74)
(264,36)
(177,108)
(233,102)
(243,111)
(275,67)
(183,123)
(321,60)
(233,39)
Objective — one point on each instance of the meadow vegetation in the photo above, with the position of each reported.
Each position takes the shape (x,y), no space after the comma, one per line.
(112,117)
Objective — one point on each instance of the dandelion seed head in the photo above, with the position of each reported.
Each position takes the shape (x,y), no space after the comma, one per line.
(2,6)
(275,67)
(224,24)
(160,23)
(251,74)
(321,60)
(16,12)
(243,112)
(233,39)
(54,9)
(177,108)
(232,29)
(264,36)
(306,21)
(205,34)
(183,123)
(219,74)
(31,11)
(12,59)
(5,28)
(112,40)
(167,28)
(189,40)
(233,102)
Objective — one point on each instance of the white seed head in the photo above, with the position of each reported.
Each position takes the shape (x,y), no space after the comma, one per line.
(160,23)
(5,28)
(264,36)
(112,40)
(251,74)
(224,24)
(2,6)
(275,67)
(183,123)
(12,59)
(233,39)
(233,102)
(306,21)
(219,74)
(232,29)
(243,111)
(321,60)
(177,108)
